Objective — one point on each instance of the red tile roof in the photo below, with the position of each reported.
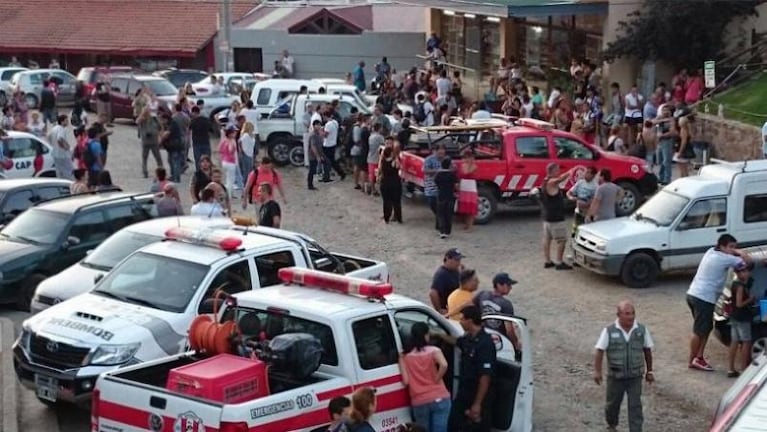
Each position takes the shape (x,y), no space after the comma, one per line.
(120,27)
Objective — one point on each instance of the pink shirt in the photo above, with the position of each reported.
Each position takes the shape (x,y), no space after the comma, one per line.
(423,385)
(694,90)
(265,175)
(226,151)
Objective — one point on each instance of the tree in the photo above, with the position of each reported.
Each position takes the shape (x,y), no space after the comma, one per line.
(683,33)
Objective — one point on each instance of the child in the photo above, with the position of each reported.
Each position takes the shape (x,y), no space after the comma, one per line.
(447,182)
(339,408)
(741,317)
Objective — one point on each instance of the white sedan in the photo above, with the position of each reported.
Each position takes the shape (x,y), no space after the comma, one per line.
(22,148)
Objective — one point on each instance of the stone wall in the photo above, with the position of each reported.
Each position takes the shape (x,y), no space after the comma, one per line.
(731,140)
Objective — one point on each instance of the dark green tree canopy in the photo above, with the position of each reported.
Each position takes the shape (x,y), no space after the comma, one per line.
(684,33)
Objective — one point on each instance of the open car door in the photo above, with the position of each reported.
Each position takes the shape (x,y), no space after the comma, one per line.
(512,409)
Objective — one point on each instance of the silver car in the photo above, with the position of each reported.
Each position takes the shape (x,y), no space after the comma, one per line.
(5,82)
(30,82)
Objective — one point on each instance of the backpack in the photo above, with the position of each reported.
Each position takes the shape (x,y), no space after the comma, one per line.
(419,114)
(255,182)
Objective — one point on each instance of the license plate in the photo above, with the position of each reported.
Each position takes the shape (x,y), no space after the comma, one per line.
(46,388)
(579,258)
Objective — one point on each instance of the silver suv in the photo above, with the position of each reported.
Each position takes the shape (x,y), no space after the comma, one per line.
(30,82)
(5,82)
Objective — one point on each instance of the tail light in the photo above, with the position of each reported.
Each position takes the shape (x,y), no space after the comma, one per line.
(233,427)
(95,402)
(725,420)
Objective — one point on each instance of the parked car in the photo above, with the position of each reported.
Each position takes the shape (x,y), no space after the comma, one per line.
(82,276)
(6,73)
(203,87)
(22,148)
(18,195)
(125,87)
(179,77)
(30,82)
(87,78)
(53,235)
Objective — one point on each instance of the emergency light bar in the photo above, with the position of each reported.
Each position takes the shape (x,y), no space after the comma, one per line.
(336,283)
(535,124)
(204,237)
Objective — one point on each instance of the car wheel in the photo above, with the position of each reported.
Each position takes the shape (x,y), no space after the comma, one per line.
(279,150)
(27,291)
(296,155)
(3,98)
(630,201)
(31,100)
(759,346)
(639,270)
(487,205)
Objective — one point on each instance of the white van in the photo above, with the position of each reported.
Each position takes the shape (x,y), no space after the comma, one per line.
(674,228)
(266,94)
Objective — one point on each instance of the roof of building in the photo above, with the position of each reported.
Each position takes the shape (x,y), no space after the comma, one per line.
(517,8)
(125,27)
(359,17)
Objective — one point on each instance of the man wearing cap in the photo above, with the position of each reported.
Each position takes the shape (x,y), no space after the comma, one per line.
(628,348)
(495,303)
(446,280)
(470,408)
(741,317)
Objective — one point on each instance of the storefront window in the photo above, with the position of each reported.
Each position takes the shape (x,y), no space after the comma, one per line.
(453,39)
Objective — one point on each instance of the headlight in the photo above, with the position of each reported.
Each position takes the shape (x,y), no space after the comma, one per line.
(108,355)
(600,246)
(24,338)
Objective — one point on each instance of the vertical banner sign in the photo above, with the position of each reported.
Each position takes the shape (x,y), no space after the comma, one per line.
(709,74)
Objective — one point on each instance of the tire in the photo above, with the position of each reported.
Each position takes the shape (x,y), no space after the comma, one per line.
(487,203)
(758,347)
(639,270)
(630,201)
(3,98)
(31,100)
(296,155)
(279,149)
(27,291)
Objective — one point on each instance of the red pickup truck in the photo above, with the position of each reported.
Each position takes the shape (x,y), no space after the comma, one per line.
(512,159)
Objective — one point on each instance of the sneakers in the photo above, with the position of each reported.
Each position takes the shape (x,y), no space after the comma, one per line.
(549,264)
(564,266)
(701,364)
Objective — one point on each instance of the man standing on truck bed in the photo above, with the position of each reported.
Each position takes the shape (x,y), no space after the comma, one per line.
(553,212)
(705,288)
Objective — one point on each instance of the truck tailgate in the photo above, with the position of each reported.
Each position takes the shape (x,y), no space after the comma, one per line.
(374,270)
(412,168)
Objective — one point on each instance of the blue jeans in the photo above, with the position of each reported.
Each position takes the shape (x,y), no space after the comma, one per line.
(665,153)
(433,415)
(246,166)
(49,115)
(176,161)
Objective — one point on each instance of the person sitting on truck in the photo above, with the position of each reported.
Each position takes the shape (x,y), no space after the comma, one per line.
(339,408)
(741,317)
(423,368)
(363,407)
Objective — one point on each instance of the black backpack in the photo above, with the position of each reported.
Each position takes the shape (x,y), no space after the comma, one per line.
(419,114)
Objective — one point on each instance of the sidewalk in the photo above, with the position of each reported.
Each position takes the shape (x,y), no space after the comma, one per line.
(10,390)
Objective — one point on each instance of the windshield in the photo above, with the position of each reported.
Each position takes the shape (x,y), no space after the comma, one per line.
(662,208)
(161,87)
(117,247)
(152,280)
(36,226)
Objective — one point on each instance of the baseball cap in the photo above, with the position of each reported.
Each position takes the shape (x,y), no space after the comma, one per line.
(453,253)
(742,265)
(503,279)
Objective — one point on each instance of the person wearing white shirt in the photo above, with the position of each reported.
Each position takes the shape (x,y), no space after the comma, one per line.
(443,85)
(628,348)
(61,151)
(329,148)
(764,140)
(428,109)
(250,113)
(554,97)
(208,206)
(287,62)
(633,112)
(307,121)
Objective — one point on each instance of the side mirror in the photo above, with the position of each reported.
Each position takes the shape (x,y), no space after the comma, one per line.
(88,252)
(71,241)
(97,278)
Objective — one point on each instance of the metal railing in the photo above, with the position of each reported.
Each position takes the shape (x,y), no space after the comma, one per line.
(467,74)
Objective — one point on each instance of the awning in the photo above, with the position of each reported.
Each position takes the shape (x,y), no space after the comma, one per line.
(544,8)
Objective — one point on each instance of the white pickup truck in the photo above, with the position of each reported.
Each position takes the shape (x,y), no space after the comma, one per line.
(359,325)
(142,309)
(674,228)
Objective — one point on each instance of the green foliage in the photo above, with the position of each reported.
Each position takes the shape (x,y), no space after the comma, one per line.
(684,33)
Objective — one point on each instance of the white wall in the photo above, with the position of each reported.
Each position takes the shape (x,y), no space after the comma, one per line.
(331,56)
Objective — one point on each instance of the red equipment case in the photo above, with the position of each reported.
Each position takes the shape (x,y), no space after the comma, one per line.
(224,378)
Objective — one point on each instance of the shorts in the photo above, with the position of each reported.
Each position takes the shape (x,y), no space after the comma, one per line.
(361,162)
(702,314)
(740,331)
(634,121)
(556,231)
(372,171)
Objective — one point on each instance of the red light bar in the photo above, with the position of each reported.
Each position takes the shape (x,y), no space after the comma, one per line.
(336,283)
(204,237)
(536,124)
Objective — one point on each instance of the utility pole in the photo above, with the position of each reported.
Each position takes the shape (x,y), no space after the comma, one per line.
(225,35)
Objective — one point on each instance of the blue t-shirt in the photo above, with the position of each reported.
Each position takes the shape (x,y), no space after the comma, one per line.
(97,151)
(359,78)
(429,186)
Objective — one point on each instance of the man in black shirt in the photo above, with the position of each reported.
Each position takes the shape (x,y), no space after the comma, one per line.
(552,199)
(201,127)
(446,182)
(269,215)
(470,409)
(48,103)
(446,280)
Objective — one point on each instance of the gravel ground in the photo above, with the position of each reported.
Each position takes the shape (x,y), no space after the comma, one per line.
(566,310)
